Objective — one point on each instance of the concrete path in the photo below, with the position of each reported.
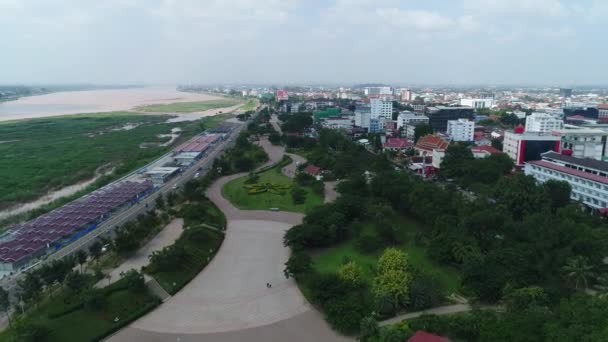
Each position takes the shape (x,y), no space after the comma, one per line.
(165,238)
(442,310)
(229,300)
(330,192)
(155,287)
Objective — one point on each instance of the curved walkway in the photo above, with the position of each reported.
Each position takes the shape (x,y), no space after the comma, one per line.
(167,236)
(229,300)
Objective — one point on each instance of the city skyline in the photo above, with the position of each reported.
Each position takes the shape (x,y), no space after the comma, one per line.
(468,42)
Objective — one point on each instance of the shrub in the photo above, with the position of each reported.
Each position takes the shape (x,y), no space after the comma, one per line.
(298,195)
(425,292)
(368,242)
(352,274)
(299,263)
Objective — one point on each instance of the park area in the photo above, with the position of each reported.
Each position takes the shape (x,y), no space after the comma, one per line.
(78,314)
(189,107)
(270,189)
(331,259)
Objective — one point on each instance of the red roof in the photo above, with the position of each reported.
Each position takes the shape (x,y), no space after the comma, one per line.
(431,142)
(573,172)
(422,336)
(479,135)
(486,148)
(576,117)
(397,143)
(602,106)
(312,170)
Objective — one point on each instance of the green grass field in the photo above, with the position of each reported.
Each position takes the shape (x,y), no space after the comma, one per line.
(331,259)
(235,192)
(189,107)
(198,256)
(249,105)
(48,154)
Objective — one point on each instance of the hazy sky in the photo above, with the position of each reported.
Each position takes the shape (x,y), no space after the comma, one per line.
(560,42)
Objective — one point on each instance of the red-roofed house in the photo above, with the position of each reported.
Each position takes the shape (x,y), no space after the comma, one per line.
(484,151)
(428,143)
(422,336)
(397,144)
(312,170)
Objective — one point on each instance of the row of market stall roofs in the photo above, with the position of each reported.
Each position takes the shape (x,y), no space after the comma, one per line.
(31,237)
(199,143)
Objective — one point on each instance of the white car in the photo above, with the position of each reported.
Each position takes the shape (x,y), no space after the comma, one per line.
(174,186)
(197,174)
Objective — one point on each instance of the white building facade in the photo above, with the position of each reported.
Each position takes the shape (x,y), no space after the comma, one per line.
(461,130)
(584,142)
(478,103)
(517,143)
(543,123)
(337,123)
(587,177)
(363,117)
(381,108)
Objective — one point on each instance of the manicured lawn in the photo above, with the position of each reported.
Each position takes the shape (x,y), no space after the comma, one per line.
(331,259)
(198,255)
(236,193)
(189,107)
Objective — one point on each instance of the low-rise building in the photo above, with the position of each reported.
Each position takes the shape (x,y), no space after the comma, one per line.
(478,103)
(587,177)
(410,118)
(428,143)
(524,146)
(397,144)
(159,175)
(583,142)
(338,122)
(484,151)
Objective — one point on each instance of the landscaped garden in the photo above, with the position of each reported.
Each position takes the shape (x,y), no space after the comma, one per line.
(271,189)
(78,312)
(174,266)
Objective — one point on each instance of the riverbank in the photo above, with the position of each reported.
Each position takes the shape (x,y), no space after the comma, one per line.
(94,101)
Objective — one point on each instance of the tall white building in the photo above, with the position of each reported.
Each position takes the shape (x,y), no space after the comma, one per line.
(543,123)
(362,117)
(461,130)
(478,103)
(381,108)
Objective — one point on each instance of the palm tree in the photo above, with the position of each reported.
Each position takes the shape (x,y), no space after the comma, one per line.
(578,270)
(463,251)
